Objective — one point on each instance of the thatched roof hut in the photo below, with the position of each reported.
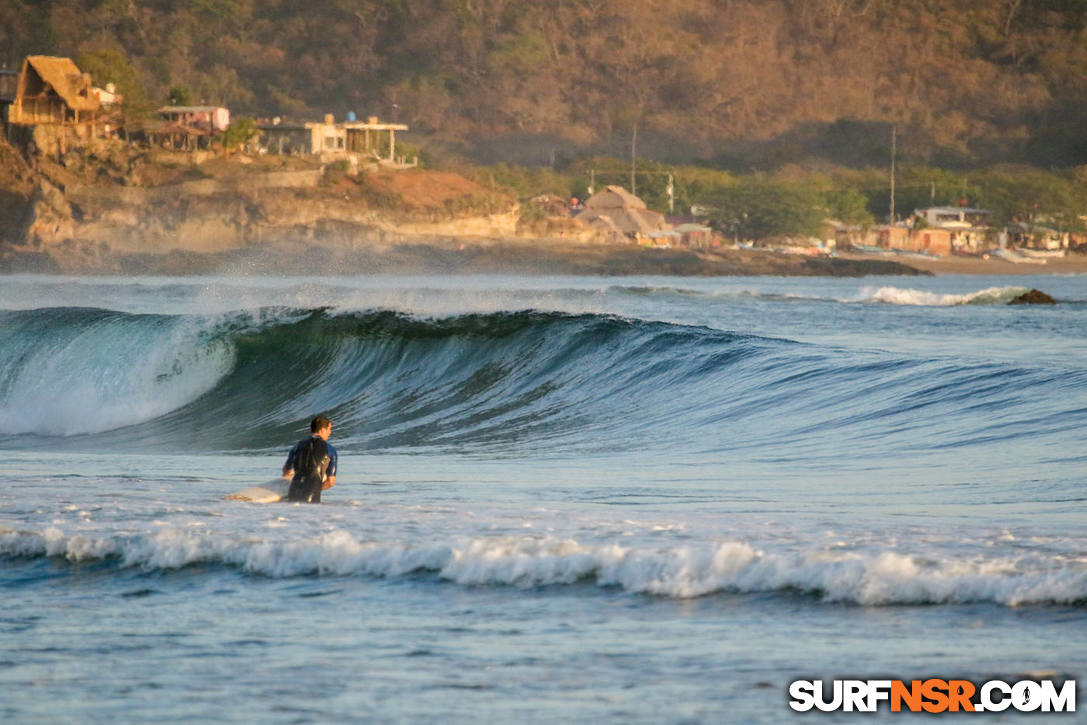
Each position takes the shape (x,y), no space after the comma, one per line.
(616,209)
(614,197)
(52,90)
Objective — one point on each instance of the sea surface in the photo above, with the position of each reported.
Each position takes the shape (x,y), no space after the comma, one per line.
(620,500)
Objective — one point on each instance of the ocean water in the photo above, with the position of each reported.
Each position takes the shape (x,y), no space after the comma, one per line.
(649,500)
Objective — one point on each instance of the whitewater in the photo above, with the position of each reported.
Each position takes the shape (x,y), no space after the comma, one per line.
(559,499)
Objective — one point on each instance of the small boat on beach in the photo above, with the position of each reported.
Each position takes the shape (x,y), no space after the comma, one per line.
(869,249)
(1041,253)
(1009,255)
(917,254)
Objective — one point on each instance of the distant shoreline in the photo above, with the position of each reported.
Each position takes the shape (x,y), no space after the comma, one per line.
(473,256)
(1071,264)
(455,256)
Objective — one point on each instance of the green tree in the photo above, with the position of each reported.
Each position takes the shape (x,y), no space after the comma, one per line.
(849,206)
(179,96)
(114,66)
(761,209)
(240,132)
(1029,195)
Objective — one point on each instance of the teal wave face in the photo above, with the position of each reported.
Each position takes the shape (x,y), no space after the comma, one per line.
(515,383)
(247,380)
(494,381)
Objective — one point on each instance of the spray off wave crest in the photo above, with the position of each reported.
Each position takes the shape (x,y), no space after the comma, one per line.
(696,570)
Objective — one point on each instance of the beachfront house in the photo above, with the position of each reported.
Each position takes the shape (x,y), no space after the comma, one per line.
(938,230)
(956,229)
(695,235)
(187,128)
(838,234)
(1038,236)
(357,142)
(206,119)
(931,240)
(954,217)
(967,229)
(308,138)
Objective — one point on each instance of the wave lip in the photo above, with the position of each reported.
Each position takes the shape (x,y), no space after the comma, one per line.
(875,579)
(77,370)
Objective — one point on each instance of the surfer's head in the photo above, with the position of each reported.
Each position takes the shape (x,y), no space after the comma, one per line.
(319,424)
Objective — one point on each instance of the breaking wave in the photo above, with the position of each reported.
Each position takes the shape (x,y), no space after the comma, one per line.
(69,371)
(887,294)
(517,381)
(899,296)
(879,578)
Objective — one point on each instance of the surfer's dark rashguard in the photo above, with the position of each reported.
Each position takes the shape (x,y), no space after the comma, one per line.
(313,460)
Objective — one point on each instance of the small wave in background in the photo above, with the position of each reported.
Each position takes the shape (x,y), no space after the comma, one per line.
(899,296)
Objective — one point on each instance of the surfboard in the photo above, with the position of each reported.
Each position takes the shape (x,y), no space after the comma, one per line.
(270,492)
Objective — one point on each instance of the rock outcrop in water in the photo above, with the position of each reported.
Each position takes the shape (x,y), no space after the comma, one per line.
(1033,297)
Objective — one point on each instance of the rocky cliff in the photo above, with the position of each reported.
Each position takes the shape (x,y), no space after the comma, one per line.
(115,210)
(93,211)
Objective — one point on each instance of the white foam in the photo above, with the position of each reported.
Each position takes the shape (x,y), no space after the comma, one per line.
(920,298)
(878,578)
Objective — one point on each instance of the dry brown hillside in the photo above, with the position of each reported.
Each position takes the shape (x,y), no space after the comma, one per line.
(752,81)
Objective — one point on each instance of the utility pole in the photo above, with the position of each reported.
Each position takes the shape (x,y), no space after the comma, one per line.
(894,149)
(592,181)
(633,158)
(671,194)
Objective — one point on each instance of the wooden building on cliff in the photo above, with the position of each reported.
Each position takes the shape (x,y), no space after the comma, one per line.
(52,91)
(52,107)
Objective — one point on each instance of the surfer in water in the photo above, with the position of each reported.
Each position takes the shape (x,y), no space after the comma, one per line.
(311,464)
